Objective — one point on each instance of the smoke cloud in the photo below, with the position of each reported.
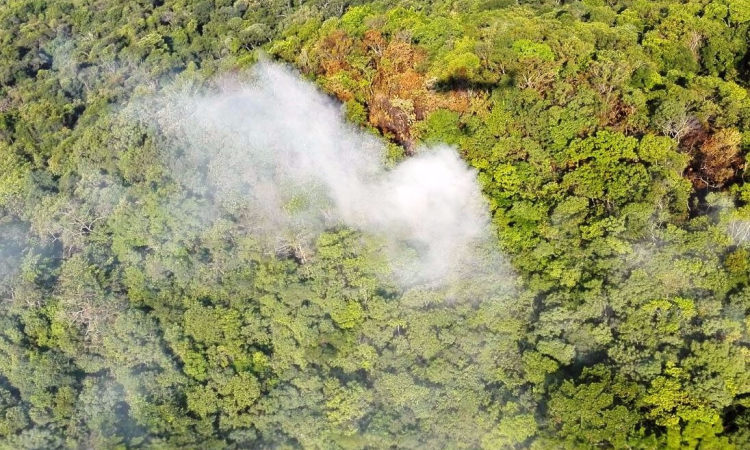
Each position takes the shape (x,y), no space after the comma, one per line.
(274,145)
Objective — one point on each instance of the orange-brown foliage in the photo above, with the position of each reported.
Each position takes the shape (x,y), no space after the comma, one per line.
(400,94)
(333,51)
(616,113)
(719,157)
(374,42)
(716,156)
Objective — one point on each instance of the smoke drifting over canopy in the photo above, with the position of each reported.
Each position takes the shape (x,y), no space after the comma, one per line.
(282,149)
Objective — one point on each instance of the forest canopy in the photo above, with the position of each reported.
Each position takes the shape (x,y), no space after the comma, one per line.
(205,242)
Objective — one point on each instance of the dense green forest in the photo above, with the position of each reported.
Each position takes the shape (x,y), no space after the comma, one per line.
(139,308)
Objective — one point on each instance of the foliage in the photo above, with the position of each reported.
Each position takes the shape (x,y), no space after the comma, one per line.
(610,140)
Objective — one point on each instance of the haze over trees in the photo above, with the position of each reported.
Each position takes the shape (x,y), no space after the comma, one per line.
(153,296)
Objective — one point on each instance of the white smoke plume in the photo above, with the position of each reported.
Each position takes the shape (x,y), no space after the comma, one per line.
(281,149)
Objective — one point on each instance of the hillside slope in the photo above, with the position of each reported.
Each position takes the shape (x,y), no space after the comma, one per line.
(144,307)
